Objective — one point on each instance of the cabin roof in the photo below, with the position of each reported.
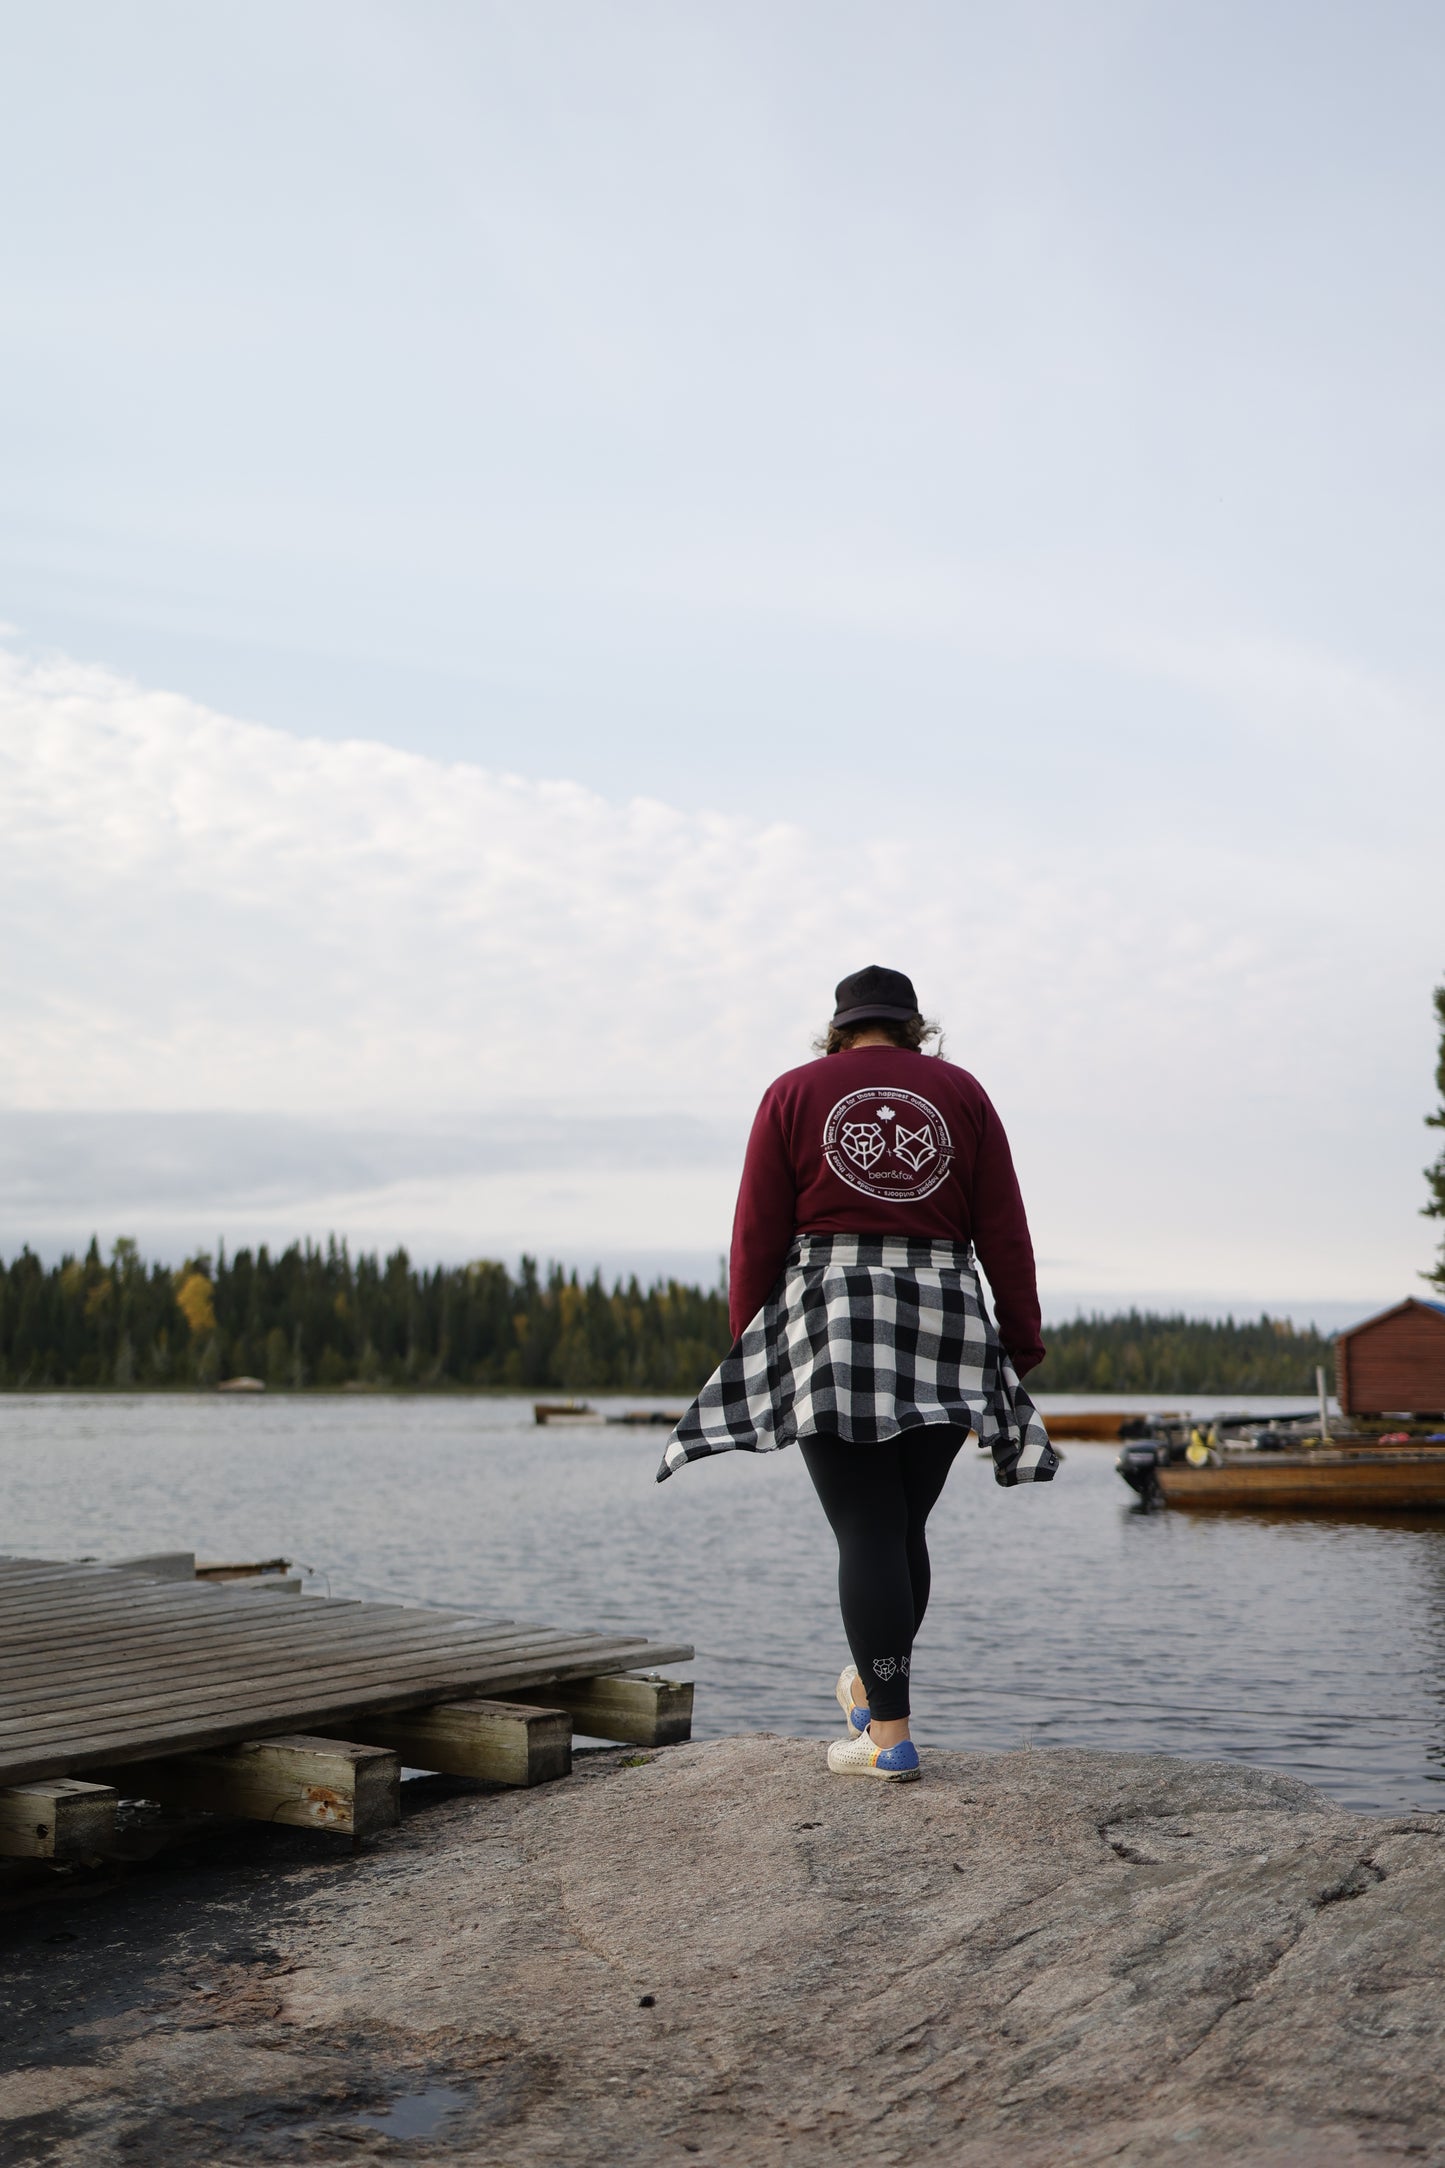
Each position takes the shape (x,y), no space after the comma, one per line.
(1399,1309)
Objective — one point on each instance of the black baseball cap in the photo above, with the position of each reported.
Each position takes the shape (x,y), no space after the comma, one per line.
(874,992)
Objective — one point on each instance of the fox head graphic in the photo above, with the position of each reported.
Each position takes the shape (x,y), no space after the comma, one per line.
(915,1147)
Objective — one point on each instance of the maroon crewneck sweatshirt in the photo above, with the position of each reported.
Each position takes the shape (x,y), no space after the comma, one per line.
(879,1141)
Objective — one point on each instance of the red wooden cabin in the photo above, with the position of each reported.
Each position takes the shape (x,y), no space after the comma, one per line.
(1394,1364)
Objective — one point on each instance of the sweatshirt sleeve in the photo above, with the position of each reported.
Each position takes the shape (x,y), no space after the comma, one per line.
(1005,1250)
(763,1223)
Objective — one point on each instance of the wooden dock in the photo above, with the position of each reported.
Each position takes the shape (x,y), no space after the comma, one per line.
(232,1698)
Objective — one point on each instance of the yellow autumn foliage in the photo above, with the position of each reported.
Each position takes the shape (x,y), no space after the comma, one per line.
(193,1300)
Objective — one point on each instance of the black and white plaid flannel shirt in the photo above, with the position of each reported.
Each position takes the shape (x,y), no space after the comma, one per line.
(866,1336)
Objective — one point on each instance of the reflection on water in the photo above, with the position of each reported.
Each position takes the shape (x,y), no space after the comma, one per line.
(1060,1616)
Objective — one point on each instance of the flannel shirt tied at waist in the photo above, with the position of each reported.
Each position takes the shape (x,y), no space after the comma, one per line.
(866,1336)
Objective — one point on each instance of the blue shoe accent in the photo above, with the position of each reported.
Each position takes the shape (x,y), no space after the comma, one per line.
(858,1719)
(902,1756)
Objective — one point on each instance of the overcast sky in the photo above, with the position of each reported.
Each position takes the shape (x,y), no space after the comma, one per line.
(536,538)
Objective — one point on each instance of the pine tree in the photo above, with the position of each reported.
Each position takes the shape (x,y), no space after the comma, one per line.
(1435,1175)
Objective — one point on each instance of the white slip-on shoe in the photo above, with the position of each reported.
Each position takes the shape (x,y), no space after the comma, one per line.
(861,1758)
(855,1713)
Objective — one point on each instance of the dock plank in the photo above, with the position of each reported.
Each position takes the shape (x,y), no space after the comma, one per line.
(99,1667)
(155,1633)
(156,1630)
(267,1718)
(103,1720)
(108,1668)
(291,1670)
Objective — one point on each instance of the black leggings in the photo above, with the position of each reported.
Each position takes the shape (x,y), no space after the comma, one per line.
(878,1499)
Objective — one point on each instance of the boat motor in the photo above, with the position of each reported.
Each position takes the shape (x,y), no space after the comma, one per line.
(1136,1464)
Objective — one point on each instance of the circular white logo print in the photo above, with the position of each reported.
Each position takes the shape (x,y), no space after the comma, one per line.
(888,1144)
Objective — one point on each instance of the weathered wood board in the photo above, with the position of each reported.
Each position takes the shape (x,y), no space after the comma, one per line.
(643,1710)
(309,1783)
(62,1818)
(158,1565)
(504,1742)
(105,1667)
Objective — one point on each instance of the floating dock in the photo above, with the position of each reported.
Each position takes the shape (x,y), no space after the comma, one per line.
(200,1694)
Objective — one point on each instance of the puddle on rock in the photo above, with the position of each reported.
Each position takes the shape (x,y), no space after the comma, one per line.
(415,2115)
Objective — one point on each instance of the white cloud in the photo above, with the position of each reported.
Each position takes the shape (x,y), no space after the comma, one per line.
(629,1192)
(1213,1063)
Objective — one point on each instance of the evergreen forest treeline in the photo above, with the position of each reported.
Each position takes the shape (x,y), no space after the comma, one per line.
(319,1317)
(1141,1352)
(315,1316)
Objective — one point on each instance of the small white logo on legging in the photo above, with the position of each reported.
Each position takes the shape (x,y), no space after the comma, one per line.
(884,1666)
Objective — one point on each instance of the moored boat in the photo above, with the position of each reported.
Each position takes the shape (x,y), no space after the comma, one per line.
(1341,1474)
(564,1411)
(1097,1426)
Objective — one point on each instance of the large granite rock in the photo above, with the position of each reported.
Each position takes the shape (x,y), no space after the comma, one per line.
(721,1954)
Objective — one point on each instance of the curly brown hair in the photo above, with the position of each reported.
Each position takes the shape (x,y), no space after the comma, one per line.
(909,1033)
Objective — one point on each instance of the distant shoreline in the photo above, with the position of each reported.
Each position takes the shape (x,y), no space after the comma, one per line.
(1155,1401)
(318,1319)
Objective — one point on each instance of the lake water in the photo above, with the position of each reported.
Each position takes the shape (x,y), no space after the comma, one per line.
(1060,1615)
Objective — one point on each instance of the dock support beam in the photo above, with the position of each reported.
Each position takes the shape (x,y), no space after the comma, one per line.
(633,1705)
(61,1819)
(503,1742)
(305,1782)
